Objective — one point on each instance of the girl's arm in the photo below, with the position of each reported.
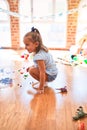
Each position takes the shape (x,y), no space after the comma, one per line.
(42,69)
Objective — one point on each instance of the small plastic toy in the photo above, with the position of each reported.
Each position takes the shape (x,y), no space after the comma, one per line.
(72,56)
(81,125)
(62,89)
(85,61)
(19,85)
(80,113)
(25,56)
(25,76)
(6,81)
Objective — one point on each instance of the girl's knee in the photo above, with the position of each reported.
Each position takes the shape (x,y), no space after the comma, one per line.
(31,70)
(34,73)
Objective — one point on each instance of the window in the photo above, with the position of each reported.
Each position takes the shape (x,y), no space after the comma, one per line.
(82,20)
(5,36)
(49,17)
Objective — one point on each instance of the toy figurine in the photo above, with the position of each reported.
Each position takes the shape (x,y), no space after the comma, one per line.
(72,56)
(62,89)
(80,113)
(25,56)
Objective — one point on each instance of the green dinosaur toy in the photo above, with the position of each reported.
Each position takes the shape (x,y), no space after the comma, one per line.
(80,113)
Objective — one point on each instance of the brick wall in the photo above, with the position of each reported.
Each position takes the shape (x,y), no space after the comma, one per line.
(71,24)
(14,21)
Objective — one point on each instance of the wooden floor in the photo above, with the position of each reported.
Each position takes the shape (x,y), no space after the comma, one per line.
(21,108)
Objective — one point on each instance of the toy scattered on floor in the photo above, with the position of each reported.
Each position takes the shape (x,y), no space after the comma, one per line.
(81,125)
(31,82)
(19,85)
(64,61)
(72,60)
(25,76)
(27,69)
(6,81)
(72,56)
(24,72)
(78,59)
(62,89)
(85,60)
(25,56)
(80,113)
(1,70)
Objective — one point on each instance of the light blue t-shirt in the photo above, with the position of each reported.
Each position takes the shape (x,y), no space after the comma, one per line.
(50,64)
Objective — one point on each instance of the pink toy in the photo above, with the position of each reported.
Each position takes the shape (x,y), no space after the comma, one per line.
(25,56)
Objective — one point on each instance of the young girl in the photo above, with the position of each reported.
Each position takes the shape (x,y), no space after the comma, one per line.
(44,69)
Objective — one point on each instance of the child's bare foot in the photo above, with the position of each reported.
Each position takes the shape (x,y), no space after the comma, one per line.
(35,85)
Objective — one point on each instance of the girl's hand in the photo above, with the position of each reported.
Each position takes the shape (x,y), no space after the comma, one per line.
(40,91)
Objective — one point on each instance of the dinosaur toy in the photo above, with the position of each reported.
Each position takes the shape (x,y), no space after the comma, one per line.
(80,113)
(62,89)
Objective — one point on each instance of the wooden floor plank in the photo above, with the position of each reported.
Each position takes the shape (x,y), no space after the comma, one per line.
(21,108)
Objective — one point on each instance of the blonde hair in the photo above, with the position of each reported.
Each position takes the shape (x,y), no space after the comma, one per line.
(34,36)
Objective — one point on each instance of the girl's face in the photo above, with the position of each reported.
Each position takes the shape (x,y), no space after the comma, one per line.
(30,46)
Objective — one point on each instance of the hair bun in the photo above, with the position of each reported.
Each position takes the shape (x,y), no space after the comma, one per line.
(33,29)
